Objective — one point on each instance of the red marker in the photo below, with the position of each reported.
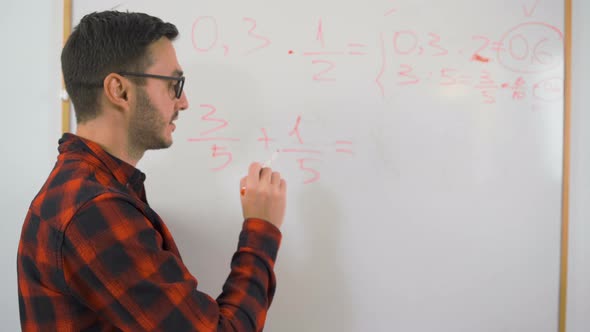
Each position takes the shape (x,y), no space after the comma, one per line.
(480,58)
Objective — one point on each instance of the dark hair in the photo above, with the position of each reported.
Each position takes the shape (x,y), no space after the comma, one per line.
(103,43)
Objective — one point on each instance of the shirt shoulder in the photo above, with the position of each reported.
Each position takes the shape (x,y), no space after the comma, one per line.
(72,184)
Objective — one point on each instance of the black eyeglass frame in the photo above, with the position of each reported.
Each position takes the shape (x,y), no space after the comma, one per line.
(178,87)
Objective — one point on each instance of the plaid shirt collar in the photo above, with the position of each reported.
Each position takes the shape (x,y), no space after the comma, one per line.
(73,146)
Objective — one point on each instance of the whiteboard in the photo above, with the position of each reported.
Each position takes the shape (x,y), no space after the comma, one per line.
(422,145)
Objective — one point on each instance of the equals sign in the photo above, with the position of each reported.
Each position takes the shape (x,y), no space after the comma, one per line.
(343,147)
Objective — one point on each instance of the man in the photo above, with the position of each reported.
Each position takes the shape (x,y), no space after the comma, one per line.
(93,255)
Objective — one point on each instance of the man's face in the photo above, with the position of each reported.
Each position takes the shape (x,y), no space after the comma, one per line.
(156,105)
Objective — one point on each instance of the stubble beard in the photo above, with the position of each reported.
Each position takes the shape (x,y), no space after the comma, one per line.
(147,128)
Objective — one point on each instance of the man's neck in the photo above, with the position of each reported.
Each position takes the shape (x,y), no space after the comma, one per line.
(111,137)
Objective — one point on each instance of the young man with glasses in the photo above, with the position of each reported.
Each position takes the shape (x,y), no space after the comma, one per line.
(93,255)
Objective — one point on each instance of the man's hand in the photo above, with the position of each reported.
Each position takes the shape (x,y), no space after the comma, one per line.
(264,195)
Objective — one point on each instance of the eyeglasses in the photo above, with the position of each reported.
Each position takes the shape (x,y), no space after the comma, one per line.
(177,87)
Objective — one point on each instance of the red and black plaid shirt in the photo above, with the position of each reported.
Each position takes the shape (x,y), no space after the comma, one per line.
(93,256)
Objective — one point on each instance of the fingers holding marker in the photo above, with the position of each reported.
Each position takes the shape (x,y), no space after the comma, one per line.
(253,173)
(263,194)
(275,179)
(283,186)
(260,173)
(263,177)
(252,179)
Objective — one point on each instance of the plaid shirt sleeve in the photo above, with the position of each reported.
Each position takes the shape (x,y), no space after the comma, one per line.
(114,262)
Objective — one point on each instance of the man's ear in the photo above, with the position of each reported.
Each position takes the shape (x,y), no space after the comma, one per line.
(117,90)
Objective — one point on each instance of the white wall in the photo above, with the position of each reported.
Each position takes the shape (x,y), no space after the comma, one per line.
(579,271)
(29,91)
(29,88)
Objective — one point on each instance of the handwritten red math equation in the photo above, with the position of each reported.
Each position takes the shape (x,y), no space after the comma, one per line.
(526,48)
(308,159)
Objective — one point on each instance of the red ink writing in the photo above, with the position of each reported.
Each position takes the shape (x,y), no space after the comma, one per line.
(315,175)
(265,41)
(265,139)
(205,20)
(218,151)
